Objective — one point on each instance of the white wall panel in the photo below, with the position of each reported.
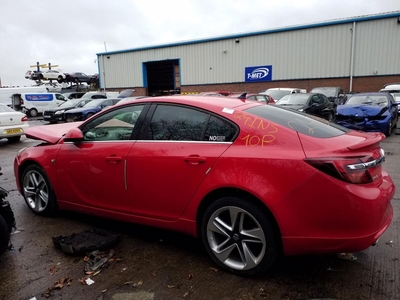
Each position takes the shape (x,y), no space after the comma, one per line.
(305,53)
(377,49)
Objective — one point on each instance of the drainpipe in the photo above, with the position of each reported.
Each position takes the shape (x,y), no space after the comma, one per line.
(352,55)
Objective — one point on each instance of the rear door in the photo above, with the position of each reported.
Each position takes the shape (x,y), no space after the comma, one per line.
(177,149)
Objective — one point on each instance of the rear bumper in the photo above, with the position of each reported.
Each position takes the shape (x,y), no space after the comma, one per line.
(342,217)
(304,245)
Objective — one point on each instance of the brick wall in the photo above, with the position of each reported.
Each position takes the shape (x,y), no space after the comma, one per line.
(360,84)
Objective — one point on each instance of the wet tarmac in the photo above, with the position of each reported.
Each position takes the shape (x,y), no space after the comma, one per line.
(155,264)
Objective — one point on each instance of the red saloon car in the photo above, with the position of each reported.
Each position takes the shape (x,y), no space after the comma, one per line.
(250,180)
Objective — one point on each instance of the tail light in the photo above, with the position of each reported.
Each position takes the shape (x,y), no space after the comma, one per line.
(24,119)
(360,170)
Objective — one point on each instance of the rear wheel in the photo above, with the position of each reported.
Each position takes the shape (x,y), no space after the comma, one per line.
(33,112)
(60,79)
(238,236)
(37,191)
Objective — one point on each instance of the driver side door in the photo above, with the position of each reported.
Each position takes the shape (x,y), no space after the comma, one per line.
(92,172)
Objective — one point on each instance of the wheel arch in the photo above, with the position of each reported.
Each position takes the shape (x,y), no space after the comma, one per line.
(238,193)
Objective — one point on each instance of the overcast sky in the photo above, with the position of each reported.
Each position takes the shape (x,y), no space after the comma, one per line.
(70,33)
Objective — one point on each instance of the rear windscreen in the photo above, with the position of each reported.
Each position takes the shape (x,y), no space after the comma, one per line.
(300,122)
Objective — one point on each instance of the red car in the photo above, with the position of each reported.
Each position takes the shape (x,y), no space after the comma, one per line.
(263,98)
(250,180)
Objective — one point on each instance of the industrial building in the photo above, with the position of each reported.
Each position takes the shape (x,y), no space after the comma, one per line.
(358,54)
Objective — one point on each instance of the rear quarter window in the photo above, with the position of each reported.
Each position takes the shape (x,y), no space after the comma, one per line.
(300,122)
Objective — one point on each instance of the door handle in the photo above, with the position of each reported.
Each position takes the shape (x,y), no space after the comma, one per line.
(195,159)
(113,159)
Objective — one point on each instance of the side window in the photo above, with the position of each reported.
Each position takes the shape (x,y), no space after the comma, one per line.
(261,98)
(115,125)
(315,99)
(324,99)
(106,103)
(60,97)
(176,123)
(219,130)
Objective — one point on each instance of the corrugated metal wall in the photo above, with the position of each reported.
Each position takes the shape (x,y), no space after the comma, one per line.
(377,48)
(309,53)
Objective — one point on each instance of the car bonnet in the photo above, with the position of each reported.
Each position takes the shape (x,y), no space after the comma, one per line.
(50,133)
(361,110)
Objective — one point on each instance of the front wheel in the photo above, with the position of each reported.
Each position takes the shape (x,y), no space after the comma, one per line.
(390,129)
(238,236)
(88,116)
(37,191)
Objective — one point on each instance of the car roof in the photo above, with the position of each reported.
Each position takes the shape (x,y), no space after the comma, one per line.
(209,103)
(372,94)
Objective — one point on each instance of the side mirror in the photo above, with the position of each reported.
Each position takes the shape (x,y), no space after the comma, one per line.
(74,135)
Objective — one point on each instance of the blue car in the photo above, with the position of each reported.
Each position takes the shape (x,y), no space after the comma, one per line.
(369,112)
(89,109)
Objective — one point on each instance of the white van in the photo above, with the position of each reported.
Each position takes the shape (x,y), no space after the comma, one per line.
(7,93)
(33,104)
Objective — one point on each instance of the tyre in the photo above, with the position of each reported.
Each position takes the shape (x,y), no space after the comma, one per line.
(390,129)
(33,112)
(238,236)
(88,116)
(4,235)
(37,191)
(14,139)
(60,79)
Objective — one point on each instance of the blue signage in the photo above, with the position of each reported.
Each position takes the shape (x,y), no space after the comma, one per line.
(39,97)
(257,74)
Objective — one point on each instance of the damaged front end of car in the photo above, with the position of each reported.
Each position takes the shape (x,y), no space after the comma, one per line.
(365,118)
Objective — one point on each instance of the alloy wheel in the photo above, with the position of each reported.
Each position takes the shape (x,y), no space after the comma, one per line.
(236,238)
(36,191)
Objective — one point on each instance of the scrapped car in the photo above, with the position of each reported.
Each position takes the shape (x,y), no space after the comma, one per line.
(278,93)
(12,123)
(74,95)
(252,181)
(89,109)
(52,75)
(334,94)
(56,114)
(396,96)
(77,77)
(369,112)
(264,98)
(310,103)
